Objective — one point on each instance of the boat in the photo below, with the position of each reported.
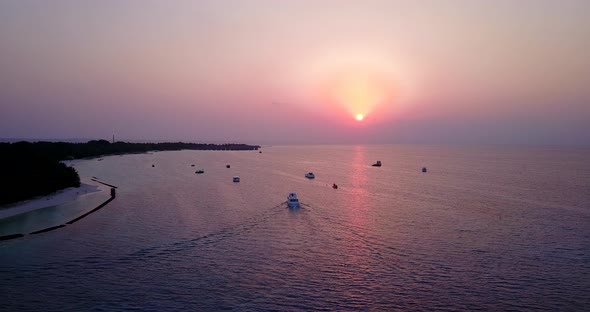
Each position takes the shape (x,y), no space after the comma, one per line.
(153,166)
(423,169)
(236,179)
(200,171)
(335,186)
(377,164)
(192,165)
(292,200)
(310,175)
(227,166)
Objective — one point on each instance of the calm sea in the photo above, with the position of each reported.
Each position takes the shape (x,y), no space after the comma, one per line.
(486,228)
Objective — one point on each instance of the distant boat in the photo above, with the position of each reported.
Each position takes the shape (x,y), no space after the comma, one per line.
(292,200)
(377,164)
(259,152)
(153,166)
(334,186)
(192,165)
(310,175)
(100,159)
(423,169)
(236,179)
(227,166)
(200,171)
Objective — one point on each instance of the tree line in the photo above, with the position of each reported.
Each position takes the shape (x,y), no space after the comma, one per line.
(35,169)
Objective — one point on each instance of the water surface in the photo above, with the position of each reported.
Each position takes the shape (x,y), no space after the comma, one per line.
(491,228)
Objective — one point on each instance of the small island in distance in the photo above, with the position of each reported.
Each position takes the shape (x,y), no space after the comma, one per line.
(35,169)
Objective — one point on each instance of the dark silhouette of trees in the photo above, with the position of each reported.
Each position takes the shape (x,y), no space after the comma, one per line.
(27,173)
(34,169)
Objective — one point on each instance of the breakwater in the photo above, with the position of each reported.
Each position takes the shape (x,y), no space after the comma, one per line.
(102,205)
(103,183)
(91,211)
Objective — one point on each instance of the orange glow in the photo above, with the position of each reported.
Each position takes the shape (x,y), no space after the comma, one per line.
(358,91)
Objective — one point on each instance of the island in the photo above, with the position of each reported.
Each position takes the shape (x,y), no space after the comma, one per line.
(31,169)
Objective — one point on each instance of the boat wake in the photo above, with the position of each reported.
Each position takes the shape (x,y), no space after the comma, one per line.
(172,250)
(207,240)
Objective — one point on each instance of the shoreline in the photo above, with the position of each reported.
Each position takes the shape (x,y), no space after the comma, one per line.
(70,194)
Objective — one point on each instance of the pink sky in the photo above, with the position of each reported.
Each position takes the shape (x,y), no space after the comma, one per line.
(273,72)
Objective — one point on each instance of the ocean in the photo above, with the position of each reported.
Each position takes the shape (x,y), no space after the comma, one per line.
(485,228)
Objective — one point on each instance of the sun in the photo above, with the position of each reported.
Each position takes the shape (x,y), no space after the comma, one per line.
(359,117)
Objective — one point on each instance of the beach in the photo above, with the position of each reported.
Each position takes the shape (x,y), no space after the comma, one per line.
(70,194)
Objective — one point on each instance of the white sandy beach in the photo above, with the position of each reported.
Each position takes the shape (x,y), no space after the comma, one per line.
(87,186)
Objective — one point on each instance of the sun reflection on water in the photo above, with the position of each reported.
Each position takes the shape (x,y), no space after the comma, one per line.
(358,214)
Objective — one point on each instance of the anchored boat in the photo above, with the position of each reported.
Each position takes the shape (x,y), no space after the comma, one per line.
(310,175)
(292,200)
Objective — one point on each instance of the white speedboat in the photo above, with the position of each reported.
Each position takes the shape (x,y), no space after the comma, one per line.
(310,175)
(236,179)
(292,201)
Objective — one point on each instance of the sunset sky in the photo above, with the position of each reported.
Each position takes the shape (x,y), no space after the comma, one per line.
(272,72)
